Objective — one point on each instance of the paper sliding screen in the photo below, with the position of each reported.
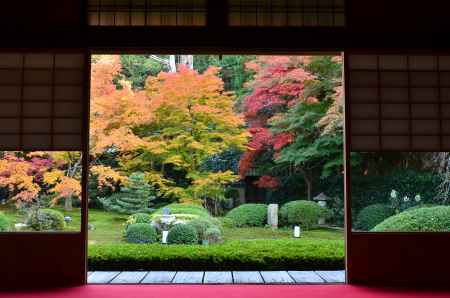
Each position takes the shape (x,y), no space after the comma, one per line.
(41,101)
(147,12)
(398,102)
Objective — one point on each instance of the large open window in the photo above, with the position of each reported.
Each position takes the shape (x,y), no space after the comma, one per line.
(207,162)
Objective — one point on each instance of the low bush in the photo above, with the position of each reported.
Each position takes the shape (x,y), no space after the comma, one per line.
(303,213)
(46,220)
(279,254)
(213,235)
(140,233)
(197,210)
(4,223)
(372,215)
(226,222)
(182,234)
(433,219)
(201,225)
(249,215)
(139,218)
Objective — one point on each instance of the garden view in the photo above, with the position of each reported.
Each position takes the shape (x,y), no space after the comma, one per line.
(207,162)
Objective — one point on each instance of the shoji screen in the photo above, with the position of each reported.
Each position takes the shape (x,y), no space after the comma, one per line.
(294,13)
(41,101)
(147,12)
(43,107)
(398,102)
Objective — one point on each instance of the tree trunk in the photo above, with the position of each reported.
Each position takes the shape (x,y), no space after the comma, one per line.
(68,203)
(308,181)
(187,60)
(172,63)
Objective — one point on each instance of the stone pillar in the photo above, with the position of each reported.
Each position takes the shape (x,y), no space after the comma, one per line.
(272,215)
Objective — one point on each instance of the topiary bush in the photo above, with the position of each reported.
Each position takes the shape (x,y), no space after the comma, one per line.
(140,233)
(249,215)
(433,219)
(182,234)
(46,220)
(213,235)
(4,223)
(201,225)
(175,209)
(372,215)
(303,213)
(226,222)
(139,218)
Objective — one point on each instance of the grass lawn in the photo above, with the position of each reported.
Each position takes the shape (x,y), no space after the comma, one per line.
(243,248)
(108,228)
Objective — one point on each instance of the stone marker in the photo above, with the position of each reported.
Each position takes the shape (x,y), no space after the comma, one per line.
(272,215)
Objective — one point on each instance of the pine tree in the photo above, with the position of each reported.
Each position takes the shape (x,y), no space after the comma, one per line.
(135,198)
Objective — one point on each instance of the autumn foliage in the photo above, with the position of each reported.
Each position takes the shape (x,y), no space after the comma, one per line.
(279,84)
(170,127)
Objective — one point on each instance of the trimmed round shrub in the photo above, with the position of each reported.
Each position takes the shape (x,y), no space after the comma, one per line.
(139,218)
(303,213)
(201,225)
(182,234)
(372,215)
(249,215)
(4,223)
(46,220)
(434,219)
(181,209)
(140,233)
(226,222)
(213,235)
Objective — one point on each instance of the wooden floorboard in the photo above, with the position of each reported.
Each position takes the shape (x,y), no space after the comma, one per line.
(188,277)
(247,277)
(215,277)
(129,277)
(159,277)
(332,276)
(306,277)
(276,277)
(218,277)
(102,277)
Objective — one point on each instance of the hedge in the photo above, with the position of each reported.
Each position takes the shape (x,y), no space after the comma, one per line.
(303,213)
(182,234)
(249,215)
(372,215)
(281,254)
(141,233)
(434,219)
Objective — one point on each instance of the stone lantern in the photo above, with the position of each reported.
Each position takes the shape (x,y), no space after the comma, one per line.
(321,200)
(166,219)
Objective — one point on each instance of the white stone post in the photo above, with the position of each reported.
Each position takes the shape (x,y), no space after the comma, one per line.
(272,215)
